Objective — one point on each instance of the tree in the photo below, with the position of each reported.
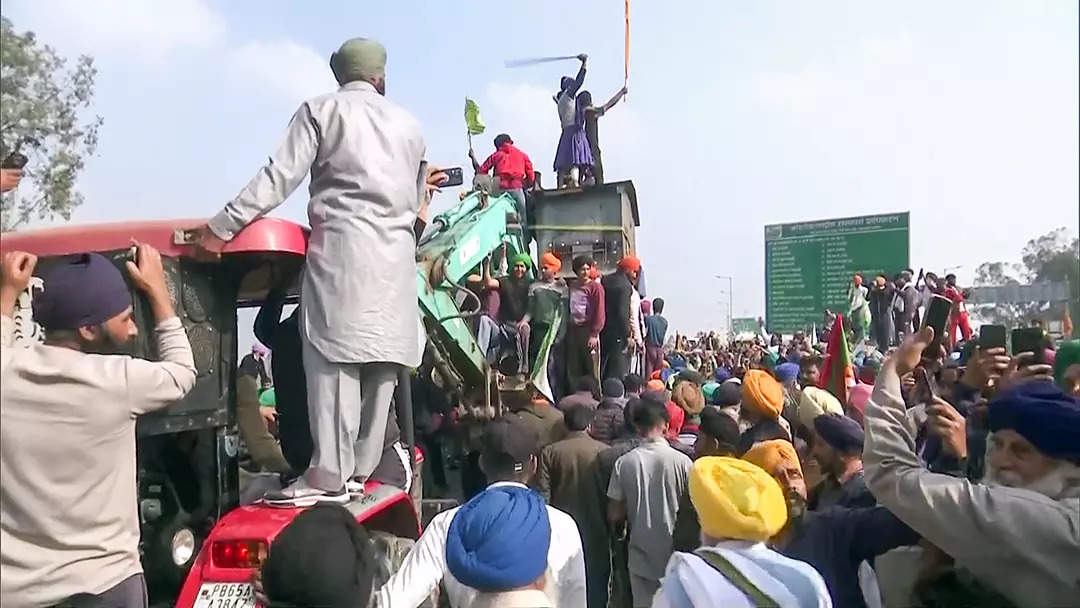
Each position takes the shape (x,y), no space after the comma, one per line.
(1053,256)
(43,103)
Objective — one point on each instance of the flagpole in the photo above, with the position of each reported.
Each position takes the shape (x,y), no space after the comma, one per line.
(626,49)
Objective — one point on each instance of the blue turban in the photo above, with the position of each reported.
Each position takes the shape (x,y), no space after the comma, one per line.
(677,362)
(721,374)
(1043,414)
(840,432)
(786,372)
(499,540)
(80,291)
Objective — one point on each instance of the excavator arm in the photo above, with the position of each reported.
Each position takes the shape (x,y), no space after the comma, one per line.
(458,243)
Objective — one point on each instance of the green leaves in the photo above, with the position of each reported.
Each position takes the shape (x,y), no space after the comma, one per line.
(44,99)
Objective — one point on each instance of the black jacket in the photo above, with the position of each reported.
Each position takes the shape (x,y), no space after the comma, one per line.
(617,291)
(836,540)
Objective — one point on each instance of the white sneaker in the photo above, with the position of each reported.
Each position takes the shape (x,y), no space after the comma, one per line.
(300,494)
(355,487)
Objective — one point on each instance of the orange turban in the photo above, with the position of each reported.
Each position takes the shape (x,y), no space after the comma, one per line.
(655,385)
(550,260)
(769,454)
(629,264)
(763,393)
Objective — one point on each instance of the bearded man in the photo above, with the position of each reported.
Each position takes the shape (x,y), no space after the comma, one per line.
(69,519)
(1017,532)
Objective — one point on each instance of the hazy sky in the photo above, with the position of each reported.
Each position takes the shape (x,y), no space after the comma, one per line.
(740,113)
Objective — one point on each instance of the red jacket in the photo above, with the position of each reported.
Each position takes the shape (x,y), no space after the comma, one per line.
(957,296)
(512,167)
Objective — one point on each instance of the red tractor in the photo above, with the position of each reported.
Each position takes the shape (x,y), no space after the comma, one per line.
(199,547)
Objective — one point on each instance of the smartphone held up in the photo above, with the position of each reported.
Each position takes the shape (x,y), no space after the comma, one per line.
(1029,340)
(937,317)
(992,336)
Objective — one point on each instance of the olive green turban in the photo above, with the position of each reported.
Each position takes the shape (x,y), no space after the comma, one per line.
(358,59)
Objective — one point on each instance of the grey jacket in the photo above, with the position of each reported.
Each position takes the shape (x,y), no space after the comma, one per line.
(1022,544)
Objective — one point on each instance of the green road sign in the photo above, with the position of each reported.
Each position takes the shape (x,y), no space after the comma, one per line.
(809,265)
(742,325)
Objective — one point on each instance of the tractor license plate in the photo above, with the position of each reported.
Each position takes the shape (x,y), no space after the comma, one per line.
(225,595)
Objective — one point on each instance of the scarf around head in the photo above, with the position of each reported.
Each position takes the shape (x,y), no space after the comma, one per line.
(763,393)
(499,540)
(550,260)
(689,397)
(358,59)
(787,372)
(1043,414)
(816,401)
(80,291)
(522,258)
(736,499)
(839,432)
(769,454)
(629,264)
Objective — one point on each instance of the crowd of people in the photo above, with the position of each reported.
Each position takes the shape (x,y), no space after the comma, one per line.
(755,487)
(886,311)
(694,475)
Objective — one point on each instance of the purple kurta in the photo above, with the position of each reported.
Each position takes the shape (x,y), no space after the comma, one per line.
(574,150)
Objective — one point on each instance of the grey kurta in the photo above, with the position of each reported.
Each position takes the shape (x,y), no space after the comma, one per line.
(1023,544)
(366,157)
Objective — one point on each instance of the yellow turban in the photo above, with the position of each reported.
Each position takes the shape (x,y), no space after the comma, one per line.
(815,402)
(736,500)
(769,454)
(763,393)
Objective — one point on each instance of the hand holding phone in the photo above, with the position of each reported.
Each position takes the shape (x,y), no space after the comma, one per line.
(15,160)
(992,336)
(985,367)
(937,317)
(1029,340)
(454,177)
(925,389)
(946,424)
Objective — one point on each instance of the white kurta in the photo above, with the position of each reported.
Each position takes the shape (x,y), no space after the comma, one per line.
(366,158)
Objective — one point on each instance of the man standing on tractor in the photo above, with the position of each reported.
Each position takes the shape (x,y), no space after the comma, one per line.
(358,316)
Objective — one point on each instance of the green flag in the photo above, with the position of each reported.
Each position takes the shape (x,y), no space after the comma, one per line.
(473,122)
(539,376)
